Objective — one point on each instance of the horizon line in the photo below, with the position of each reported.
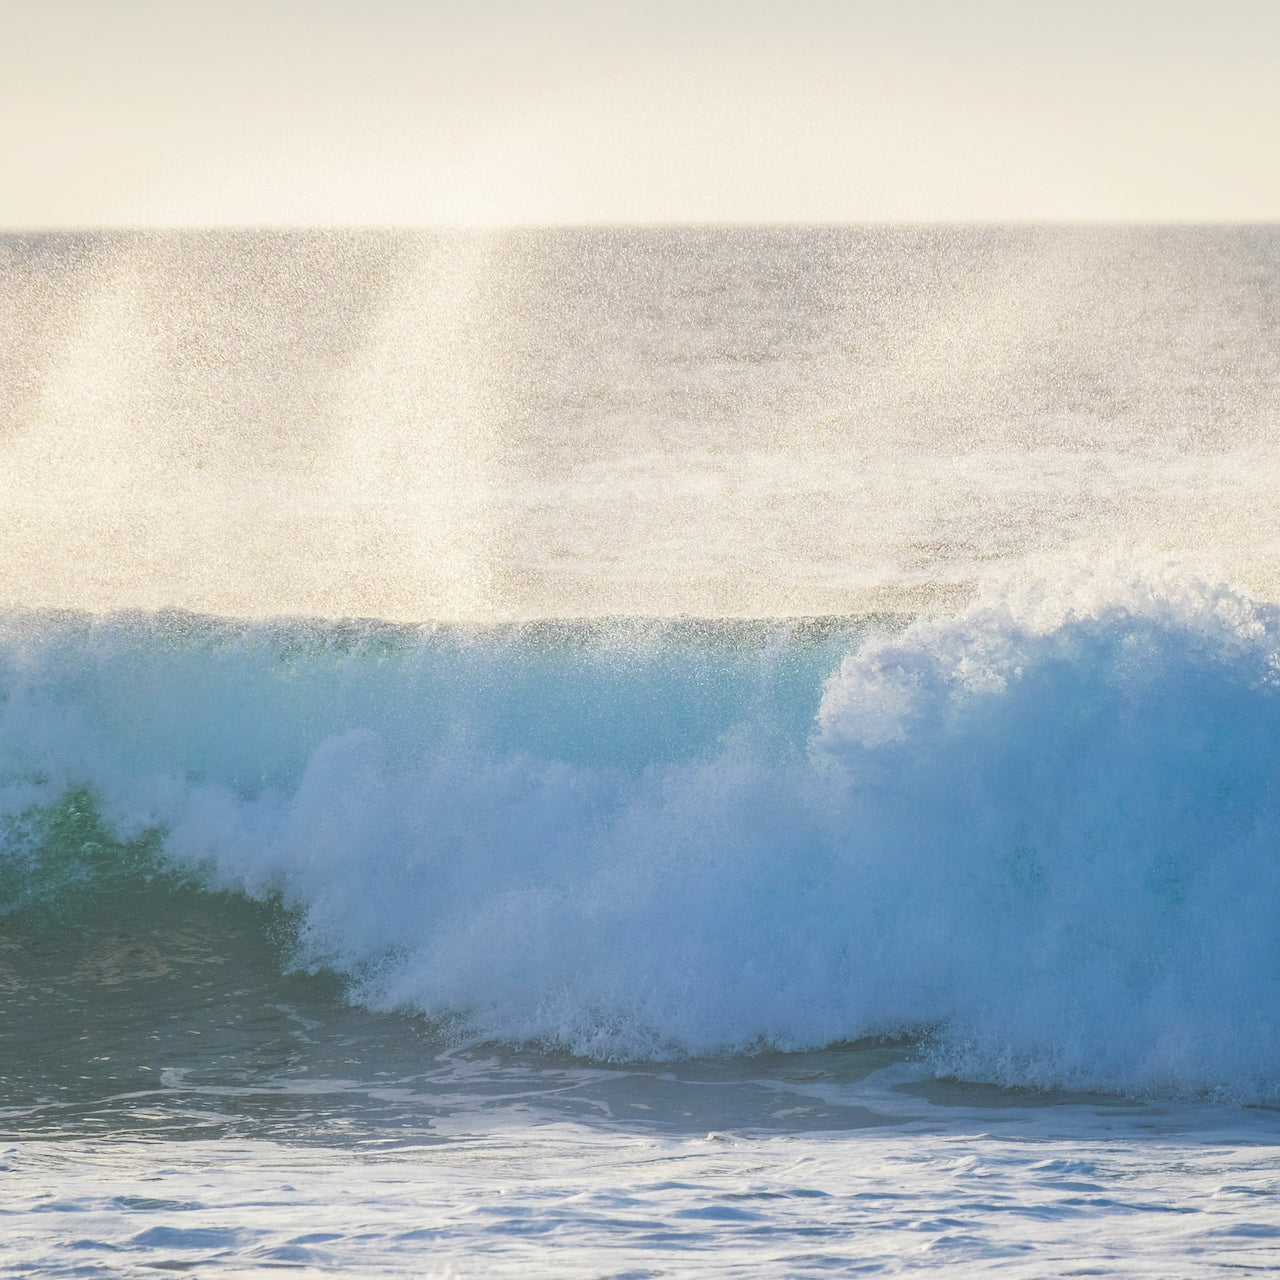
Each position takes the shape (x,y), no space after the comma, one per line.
(646,225)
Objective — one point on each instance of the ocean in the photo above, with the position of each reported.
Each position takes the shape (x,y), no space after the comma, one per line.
(640,752)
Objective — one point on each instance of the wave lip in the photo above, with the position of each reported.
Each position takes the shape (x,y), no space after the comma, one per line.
(1044,831)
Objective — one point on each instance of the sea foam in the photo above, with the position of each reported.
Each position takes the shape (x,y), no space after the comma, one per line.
(1041,835)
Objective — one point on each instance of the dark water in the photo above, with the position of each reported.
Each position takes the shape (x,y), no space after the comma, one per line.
(163,1011)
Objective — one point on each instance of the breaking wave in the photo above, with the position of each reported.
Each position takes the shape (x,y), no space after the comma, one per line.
(1041,835)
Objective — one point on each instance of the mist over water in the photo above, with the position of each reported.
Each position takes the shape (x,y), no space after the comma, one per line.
(451,426)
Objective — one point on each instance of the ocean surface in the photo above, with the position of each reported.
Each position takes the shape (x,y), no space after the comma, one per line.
(635,753)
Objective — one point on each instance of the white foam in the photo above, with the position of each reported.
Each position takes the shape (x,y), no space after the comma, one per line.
(1028,1200)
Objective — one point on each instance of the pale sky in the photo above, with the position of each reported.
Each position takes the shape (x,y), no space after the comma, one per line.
(215,112)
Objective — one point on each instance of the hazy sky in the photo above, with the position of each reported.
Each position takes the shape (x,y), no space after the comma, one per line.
(330,111)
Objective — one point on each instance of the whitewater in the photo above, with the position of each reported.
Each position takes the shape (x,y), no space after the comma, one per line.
(640,752)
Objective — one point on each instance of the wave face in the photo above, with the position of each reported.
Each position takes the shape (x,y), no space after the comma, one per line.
(1043,833)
